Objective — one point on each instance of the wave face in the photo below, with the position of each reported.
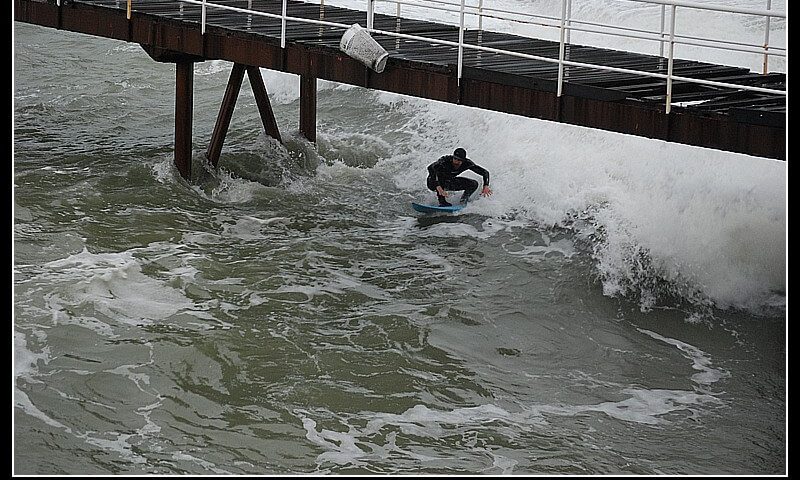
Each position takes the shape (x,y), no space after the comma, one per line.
(663,219)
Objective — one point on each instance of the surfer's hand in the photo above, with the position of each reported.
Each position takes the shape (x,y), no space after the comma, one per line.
(486,191)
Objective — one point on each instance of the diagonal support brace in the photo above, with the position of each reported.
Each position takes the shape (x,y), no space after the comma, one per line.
(264,106)
(225,114)
(229,103)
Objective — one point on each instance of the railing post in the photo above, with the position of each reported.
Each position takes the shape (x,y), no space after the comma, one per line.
(321,29)
(766,39)
(397,27)
(127,10)
(480,14)
(203,18)
(562,47)
(671,57)
(569,20)
(661,43)
(370,13)
(461,41)
(283,25)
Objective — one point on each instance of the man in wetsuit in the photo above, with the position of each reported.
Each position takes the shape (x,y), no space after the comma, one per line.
(443,176)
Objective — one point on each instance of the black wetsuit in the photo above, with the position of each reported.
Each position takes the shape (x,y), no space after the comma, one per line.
(443,173)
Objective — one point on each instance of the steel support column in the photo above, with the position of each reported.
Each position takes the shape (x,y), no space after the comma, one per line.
(308,107)
(184,93)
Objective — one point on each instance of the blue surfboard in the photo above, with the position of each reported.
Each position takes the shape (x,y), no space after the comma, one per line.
(436,208)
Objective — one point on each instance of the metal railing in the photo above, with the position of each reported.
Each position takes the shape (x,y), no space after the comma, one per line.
(665,36)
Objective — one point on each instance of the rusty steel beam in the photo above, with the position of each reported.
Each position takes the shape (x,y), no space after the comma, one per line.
(37,13)
(263,103)
(184,93)
(225,113)
(308,107)
(169,56)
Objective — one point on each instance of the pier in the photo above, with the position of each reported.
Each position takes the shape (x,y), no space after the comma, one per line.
(656,96)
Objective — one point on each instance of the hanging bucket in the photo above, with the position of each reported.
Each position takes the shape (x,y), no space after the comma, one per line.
(357,43)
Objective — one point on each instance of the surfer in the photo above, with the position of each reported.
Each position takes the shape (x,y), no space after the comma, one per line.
(443,176)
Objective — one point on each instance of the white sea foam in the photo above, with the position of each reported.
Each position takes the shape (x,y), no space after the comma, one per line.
(115,285)
(642,406)
(357,445)
(431,258)
(25,360)
(212,67)
(284,88)
(23,402)
(562,246)
(707,374)
(208,466)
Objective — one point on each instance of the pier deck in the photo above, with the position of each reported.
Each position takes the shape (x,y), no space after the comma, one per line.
(728,119)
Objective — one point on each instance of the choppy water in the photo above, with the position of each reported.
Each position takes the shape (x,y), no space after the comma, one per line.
(617,307)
